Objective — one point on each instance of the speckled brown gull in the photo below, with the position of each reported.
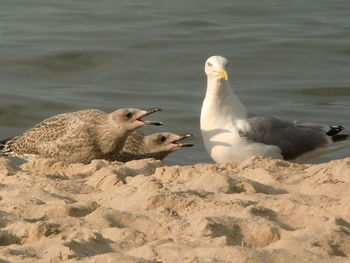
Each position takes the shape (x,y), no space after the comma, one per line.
(157,146)
(78,136)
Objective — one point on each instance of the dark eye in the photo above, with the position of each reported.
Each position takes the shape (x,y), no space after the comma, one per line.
(128,115)
(209,64)
(162,139)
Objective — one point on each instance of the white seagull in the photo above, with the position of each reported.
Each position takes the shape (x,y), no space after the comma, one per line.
(231,133)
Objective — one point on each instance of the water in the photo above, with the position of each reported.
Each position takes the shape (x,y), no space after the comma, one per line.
(290,59)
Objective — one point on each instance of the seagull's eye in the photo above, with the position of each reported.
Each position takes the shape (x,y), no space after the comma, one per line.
(162,138)
(128,115)
(209,64)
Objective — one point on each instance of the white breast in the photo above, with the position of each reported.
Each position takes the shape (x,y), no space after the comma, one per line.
(224,144)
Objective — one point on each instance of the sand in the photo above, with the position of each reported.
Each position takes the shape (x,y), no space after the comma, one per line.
(262,210)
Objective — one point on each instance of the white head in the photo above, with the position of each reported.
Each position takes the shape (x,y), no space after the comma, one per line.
(215,67)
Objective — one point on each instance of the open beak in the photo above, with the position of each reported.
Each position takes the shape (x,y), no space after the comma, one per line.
(181,137)
(223,74)
(148,112)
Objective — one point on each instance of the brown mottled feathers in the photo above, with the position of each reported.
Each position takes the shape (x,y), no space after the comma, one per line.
(135,143)
(66,135)
(157,146)
(78,136)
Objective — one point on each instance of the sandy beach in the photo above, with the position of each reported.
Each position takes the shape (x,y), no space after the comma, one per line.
(262,210)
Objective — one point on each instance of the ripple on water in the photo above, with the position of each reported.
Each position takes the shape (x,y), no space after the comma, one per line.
(64,61)
(323,91)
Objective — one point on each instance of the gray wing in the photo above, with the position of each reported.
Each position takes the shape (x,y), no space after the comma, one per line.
(293,139)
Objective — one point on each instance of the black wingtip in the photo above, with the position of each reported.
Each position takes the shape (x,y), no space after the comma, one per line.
(340,137)
(334,130)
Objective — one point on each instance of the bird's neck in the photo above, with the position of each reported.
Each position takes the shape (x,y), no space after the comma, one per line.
(111,137)
(220,99)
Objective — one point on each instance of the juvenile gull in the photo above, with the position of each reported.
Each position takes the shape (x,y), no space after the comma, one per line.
(79,136)
(231,133)
(157,146)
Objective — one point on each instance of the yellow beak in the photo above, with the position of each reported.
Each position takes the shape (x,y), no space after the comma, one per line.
(223,74)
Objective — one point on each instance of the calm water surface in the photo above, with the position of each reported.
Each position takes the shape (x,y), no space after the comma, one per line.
(290,59)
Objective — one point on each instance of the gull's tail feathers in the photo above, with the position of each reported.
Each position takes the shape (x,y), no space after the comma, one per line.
(333,132)
(3,142)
